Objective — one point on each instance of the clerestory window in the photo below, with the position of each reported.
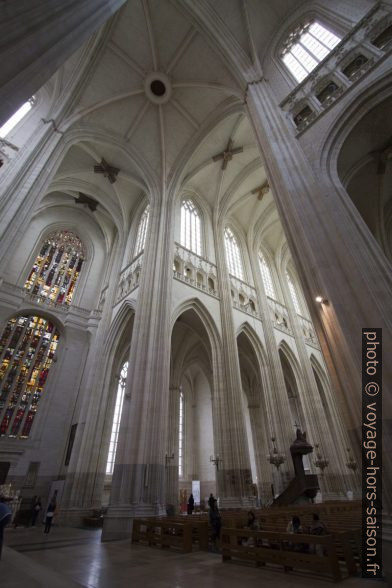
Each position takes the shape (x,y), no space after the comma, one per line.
(293,294)
(142,231)
(305,47)
(233,256)
(266,276)
(190,227)
(57,268)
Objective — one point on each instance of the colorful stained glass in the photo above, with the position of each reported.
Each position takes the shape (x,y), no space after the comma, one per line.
(27,349)
(57,268)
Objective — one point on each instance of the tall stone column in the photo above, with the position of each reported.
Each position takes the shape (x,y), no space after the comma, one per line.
(138,484)
(171,461)
(276,399)
(336,257)
(86,471)
(261,448)
(333,442)
(38,37)
(234,472)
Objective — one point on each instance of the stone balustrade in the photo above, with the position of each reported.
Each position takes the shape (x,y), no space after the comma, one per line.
(129,278)
(308,331)
(279,316)
(195,270)
(244,296)
(368,43)
(17,296)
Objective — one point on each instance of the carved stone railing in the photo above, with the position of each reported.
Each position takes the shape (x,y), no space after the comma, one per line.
(194,270)
(129,278)
(308,331)
(279,316)
(244,296)
(20,296)
(366,45)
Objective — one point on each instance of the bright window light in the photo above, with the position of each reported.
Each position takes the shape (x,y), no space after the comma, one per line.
(306,47)
(116,420)
(190,227)
(142,231)
(233,256)
(15,118)
(266,276)
(293,294)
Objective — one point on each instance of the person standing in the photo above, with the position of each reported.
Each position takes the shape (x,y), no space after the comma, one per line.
(5,519)
(215,522)
(50,514)
(211,501)
(35,509)
(191,504)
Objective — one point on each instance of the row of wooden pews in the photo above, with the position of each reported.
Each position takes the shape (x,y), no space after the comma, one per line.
(334,556)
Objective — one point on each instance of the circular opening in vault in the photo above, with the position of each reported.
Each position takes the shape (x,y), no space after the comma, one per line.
(158,88)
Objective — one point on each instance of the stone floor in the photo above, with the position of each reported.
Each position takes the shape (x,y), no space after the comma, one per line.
(71,558)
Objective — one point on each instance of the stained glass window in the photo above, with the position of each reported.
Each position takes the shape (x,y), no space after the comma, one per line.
(142,231)
(305,47)
(190,227)
(27,349)
(266,276)
(293,294)
(116,420)
(181,436)
(57,268)
(233,254)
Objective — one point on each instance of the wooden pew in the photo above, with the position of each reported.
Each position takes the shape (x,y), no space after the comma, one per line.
(157,531)
(278,549)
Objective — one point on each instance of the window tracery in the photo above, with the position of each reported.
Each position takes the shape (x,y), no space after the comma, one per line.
(266,276)
(57,268)
(117,419)
(293,294)
(27,350)
(233,256)
(306,46)
(190,227)
(142,231)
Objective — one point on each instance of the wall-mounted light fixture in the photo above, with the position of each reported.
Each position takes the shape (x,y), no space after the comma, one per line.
(321,300)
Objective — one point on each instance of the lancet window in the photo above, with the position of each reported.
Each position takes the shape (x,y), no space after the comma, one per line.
(190,227)
(57,268)
(117,419)
(233,256)
(306,46)
(293,294)
(266,276)
(181,435)
(27,349)
(142,231)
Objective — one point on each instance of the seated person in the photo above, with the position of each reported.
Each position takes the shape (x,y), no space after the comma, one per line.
(295,527)
(318,528)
